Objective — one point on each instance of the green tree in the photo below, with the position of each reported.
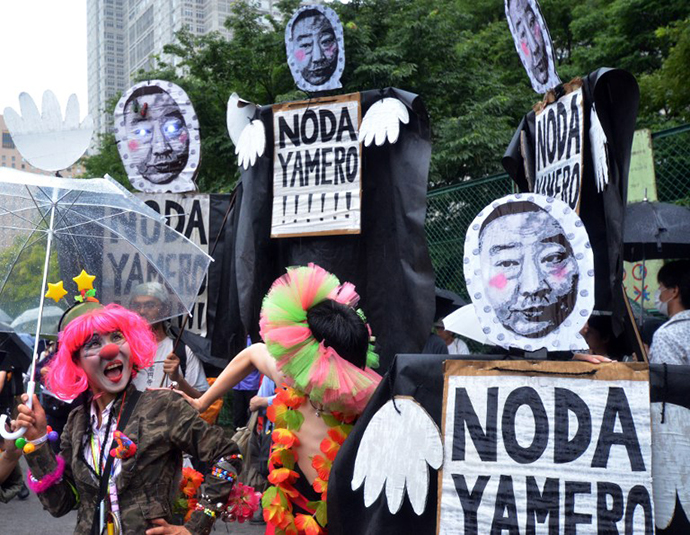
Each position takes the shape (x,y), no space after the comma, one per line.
(458,55)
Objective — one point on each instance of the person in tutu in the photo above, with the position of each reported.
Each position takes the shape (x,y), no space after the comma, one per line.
(317,349)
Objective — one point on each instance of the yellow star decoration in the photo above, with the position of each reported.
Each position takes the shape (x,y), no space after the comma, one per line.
(56,291)
(84,281)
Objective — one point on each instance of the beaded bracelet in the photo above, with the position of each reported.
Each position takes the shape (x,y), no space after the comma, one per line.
(29,446)
(42,485)
(207,511)
(218,472)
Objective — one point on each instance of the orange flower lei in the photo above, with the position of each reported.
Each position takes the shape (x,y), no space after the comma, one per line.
(276,501)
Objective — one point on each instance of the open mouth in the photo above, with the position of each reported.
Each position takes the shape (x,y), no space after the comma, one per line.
(113,371)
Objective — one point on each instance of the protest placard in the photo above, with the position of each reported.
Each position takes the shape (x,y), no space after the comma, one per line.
(317,167)
(187,214)
(545,447)
(559,149)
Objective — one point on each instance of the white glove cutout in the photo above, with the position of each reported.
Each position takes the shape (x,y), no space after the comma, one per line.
(600,150)
(394,453)
(382,122)
(45,140)
(248,135)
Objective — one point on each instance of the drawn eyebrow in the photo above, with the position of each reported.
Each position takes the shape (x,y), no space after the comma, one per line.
(495,249)
(559,238)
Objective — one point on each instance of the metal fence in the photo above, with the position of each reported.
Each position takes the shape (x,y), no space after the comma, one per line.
(450,210)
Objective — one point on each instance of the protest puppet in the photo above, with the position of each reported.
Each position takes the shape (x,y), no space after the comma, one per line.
(575,146)
(315,48)
(533,43)
(157,133)
(339,180)
(523,446)
(528,264)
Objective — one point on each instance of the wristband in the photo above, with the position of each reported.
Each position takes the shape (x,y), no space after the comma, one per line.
(42,485)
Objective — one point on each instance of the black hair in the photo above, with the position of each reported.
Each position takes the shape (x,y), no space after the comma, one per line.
(340,327)
(510,208)
(311,12)
(676,274)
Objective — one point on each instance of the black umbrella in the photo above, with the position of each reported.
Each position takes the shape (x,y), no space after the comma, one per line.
(656,230)
(447,302)
(14,352)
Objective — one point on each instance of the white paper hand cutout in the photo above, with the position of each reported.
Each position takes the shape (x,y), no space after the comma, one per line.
(45,140)
(670,452)
(600,150)
(248,135)
(382,122)
(394,453)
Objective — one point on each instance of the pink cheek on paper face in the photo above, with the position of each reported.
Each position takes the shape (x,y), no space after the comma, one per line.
(330,51)
(561,273)
(525,48)
(133,145)
(183,137)
(299,54)
(498,281)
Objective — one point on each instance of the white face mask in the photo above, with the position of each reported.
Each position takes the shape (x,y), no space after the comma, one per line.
(661,306)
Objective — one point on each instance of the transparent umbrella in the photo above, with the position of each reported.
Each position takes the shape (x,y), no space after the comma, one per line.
(51,228)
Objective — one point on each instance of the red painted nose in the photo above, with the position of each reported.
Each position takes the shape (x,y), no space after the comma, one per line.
(109,351)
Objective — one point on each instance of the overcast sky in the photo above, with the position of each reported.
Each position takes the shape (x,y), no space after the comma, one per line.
(42,46)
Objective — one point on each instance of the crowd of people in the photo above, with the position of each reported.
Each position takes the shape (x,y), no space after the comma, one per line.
(121,445)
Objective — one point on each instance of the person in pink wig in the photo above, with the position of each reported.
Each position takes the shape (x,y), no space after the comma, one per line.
(317,348)
(121,452)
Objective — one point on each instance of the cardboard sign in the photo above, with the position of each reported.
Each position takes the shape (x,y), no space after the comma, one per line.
(317,167)
(545,447)
(559,149)
(189,215)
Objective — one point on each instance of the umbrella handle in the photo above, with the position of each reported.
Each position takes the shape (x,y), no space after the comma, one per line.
(3,419)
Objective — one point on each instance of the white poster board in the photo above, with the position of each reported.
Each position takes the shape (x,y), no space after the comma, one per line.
(317,167)
(545,447)
(189,215)
(560,148)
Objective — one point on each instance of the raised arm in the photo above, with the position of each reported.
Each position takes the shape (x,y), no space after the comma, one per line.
(255,357)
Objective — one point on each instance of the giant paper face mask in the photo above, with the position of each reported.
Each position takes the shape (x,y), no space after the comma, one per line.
(315,48)
(533,43)
(157,135)
(530,273)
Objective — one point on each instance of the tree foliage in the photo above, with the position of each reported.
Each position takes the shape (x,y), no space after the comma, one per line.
(457,54)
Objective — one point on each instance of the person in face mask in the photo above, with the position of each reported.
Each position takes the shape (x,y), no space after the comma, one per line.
(671,342)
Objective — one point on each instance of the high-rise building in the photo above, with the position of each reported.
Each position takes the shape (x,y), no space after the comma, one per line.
(106,47)
(124,35)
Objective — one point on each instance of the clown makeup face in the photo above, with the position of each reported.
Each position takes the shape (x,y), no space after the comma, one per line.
(105,358)
(157,137)
(315,47)
(530,36)
(529,272)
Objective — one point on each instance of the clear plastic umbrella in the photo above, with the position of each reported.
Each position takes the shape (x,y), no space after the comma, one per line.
(51,228)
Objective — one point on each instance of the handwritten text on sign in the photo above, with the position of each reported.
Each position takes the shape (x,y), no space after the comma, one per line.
(127,268)
(317,167)
(546,455)
(560,145)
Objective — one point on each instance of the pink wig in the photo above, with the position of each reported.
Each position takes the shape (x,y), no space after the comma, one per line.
(66,378)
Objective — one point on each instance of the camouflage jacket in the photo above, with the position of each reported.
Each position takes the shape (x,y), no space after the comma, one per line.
(163,425)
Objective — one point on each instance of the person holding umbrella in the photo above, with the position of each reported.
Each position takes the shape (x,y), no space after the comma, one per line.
(671,342)
(121,451)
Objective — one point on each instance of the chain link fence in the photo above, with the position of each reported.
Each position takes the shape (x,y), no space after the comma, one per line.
(450,210)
